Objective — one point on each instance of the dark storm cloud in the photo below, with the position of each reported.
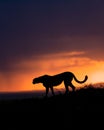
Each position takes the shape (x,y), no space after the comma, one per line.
(29,28)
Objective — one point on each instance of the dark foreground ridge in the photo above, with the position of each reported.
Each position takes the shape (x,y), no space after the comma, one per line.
(83,109)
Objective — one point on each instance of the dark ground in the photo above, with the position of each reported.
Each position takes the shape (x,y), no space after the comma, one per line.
(83,109)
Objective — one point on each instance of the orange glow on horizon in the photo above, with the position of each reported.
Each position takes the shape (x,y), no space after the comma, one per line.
(97,77)
(75,62)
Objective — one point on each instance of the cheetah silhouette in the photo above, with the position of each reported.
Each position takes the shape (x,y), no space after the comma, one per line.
(49,81)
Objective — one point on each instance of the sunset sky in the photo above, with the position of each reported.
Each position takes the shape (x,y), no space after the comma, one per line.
(48,37)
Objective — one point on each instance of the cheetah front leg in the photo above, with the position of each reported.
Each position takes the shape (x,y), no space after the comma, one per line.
(52,91)
(47,90)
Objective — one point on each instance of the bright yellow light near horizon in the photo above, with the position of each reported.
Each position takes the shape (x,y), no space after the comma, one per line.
(97,77)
